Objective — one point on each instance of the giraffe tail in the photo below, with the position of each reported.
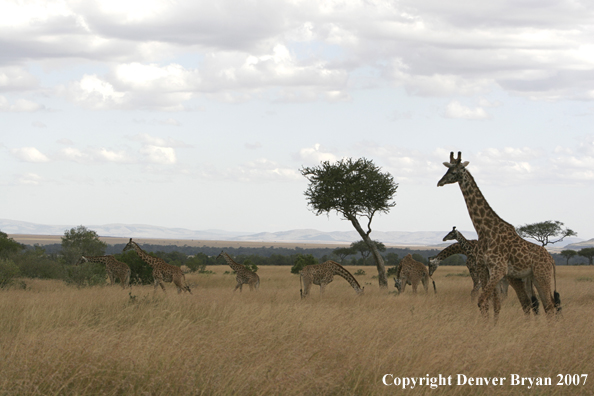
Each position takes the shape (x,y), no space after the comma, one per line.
(301,285)
(434,288)
(556,296)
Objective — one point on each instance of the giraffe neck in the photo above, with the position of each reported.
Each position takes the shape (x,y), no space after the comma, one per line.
(99,259)
(455,248)
(142,254)
(464,243)
(341,271)
(486,222)
(234,266)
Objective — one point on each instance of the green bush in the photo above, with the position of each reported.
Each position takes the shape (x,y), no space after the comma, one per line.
(392,271)
(359,272)
(34,263)
(86,274)
(8,271)
(140,272)
(301,261)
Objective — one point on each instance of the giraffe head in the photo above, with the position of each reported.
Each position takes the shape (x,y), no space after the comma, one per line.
(129,246)
(433,264)
(81,260)
(456,169)
(453,235)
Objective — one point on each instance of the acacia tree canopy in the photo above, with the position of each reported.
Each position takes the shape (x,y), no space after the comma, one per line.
(568,254)
(545,231)
(355,189)
(81,241)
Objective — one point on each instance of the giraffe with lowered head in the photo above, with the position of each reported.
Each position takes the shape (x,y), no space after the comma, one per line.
(501,249)
(162,271)
(114,268)
(411,272)
(323,274)
(244,275)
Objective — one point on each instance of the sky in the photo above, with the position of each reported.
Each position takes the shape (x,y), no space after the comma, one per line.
(199,114)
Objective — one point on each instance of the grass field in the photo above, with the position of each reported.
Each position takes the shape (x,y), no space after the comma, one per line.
(57,339)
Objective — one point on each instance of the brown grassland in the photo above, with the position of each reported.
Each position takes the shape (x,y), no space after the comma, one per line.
(59,340)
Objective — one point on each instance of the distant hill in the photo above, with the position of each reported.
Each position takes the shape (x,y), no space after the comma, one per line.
(580,245)
(419,238)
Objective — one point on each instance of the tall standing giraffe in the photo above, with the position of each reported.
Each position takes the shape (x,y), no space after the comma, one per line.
(323,274)
(501,249)
(244,275)
(162,271)
(114,268)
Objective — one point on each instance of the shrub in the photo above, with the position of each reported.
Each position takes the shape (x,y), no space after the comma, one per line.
(140,272)
(86,274)
(34,263)
(8,271)
(301,261)
(359,272)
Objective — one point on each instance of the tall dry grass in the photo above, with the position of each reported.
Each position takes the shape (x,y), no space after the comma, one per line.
(56,339)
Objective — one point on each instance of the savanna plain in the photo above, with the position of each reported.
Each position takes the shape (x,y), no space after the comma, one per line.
(57,339)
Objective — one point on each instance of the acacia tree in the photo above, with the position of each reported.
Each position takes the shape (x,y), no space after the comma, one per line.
(81,241)
(568,254)
(343,252)
(354,189)
(542,232)
(587,253)
(362,248)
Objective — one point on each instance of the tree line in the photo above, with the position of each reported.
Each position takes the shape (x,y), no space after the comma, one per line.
(57,261)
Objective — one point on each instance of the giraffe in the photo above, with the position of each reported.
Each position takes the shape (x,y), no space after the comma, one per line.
(162,271)
(244,275)
(478,273)
(411,272)
(323,274)
(501,249)
(113,267)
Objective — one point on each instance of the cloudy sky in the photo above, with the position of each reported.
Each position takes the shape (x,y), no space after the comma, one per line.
(199,114)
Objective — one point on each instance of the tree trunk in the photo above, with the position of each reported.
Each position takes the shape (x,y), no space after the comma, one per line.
(379,261)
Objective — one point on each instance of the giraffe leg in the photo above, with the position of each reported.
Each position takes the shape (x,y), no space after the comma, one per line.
(127,280)
(543,286)
(476,284)
(426,285)
(497,271)
(306,286)
(111,278)
(518,286)
(237,286)
(414,286)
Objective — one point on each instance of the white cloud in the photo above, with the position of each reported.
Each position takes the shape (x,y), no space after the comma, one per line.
(29,154)
(456,110)
(29,179)
(262,169)
(159,155)
(13,78)
(19,106)
(315,155)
